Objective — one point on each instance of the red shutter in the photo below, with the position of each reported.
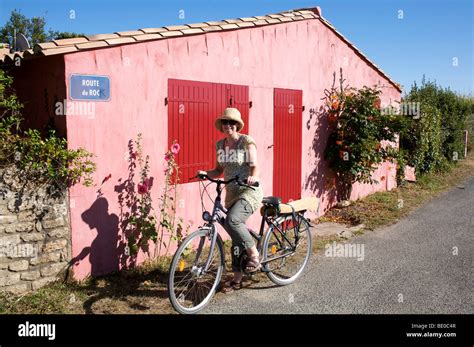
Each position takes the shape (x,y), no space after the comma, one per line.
(200,104)
(287,151)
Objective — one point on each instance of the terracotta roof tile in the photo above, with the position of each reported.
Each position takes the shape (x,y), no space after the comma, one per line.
(248,19)
(129,33)
(221,22)
(46,45)
(232,21)
(28,53)
(171,33)
(261,22)
(8,57)
(176,27)
(59,50)
(275,15)
(306,11)
(212,28)
(72,41)
(229,26)
(93,44)
(102,37)
(198,25)
(285,19)
(273,20)
(153,30)
(190,31)
(145,37)
(245,24)
(120,40)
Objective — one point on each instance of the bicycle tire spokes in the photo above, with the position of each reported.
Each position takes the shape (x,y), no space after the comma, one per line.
(287,249)
(192,284)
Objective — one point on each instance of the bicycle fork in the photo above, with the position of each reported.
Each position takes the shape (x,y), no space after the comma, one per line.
(200,247)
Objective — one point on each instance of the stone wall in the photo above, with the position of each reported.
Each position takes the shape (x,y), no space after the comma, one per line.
(35,238)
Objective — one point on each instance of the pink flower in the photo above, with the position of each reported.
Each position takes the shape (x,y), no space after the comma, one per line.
(168,157)
(175,148)
(133,155)
(142,189)
(148,182)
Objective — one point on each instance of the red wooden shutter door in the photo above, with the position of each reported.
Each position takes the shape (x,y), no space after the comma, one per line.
(192,109)
(287,152)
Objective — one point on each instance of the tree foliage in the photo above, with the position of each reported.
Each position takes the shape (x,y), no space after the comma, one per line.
(33,28)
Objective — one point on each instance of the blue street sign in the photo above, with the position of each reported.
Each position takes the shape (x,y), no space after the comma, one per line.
(89,87)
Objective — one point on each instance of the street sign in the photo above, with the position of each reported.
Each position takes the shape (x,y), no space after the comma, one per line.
(89,87)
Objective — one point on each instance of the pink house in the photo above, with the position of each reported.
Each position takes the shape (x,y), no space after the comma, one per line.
(169,84)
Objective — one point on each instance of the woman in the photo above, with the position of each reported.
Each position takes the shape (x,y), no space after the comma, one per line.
(237,155)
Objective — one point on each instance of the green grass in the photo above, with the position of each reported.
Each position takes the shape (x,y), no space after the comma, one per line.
(384,208)
(54,298)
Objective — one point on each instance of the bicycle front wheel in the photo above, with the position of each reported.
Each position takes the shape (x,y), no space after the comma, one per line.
(286,249)
(190,286)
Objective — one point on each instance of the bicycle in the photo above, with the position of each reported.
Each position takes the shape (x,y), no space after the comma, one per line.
(198,264)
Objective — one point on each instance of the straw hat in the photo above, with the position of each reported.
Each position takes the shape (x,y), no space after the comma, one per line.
(230,114)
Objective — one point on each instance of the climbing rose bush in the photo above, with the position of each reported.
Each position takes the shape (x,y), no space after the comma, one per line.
(358,131)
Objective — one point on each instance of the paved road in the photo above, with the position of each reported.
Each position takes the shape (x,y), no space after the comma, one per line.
(408,267)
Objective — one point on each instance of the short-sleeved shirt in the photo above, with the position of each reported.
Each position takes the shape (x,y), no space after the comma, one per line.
(237,162)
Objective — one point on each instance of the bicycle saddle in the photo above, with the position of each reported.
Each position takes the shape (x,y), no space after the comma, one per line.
(271,200)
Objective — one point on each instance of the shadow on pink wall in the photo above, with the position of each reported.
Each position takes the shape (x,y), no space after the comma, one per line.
(105,252)
(321,181)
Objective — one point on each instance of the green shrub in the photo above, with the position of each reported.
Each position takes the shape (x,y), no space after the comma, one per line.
(421,140)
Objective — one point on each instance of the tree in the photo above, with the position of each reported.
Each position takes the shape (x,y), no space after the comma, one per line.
(33,29)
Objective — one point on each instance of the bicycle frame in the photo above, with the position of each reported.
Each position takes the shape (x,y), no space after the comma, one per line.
(217,216)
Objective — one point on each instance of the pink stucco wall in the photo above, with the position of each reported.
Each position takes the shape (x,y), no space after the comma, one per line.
(298,55)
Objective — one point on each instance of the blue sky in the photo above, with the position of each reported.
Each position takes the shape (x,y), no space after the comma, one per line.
(430,38)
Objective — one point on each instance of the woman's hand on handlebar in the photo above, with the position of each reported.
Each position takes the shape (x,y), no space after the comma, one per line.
(251,180)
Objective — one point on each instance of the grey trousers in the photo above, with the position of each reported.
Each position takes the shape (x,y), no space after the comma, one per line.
(235,226)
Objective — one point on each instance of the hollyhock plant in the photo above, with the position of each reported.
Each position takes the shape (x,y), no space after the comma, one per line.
(142,189)
(149,182)
(175,148)
(140,222)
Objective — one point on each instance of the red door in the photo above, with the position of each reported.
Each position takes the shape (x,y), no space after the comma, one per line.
(192,109)
(287,142)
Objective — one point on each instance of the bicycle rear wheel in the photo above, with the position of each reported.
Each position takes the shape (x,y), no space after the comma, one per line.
(285,262)
(190,288)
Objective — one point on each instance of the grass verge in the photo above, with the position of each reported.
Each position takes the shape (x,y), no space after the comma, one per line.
(386,208)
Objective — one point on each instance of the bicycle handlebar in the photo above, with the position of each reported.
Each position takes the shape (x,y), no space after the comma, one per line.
(236,179)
